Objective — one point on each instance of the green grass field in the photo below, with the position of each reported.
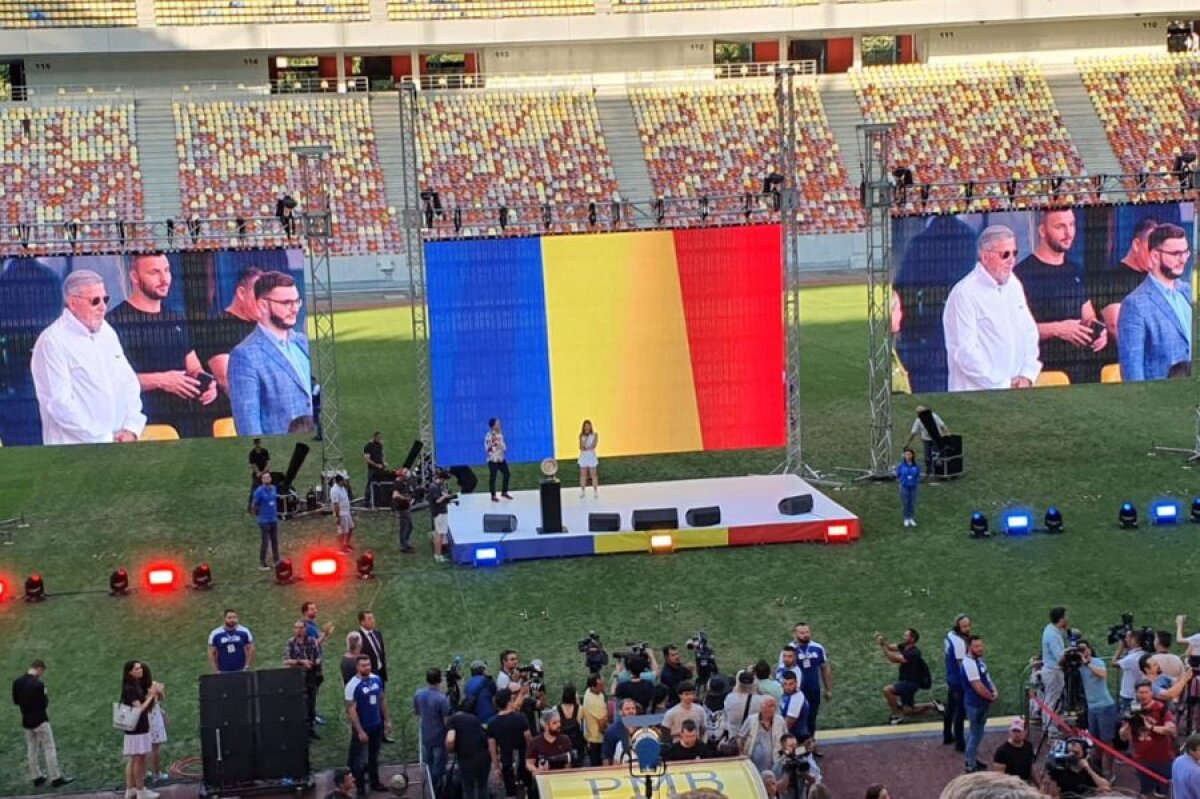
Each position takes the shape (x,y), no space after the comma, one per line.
(1085,449)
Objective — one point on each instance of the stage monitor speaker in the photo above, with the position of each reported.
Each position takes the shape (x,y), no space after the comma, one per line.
(283,709)
(283,751)
(604,522)
(237,685)
(499,523)
(280,682)
(414,452)
(381,494)
(226,713)
(550,499)
(466,478)
(228,755)
(656,519)
(797,505)
(704,517)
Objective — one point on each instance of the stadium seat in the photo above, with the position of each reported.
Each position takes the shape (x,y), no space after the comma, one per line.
(1148,106)
(1110,373)
(246,12)
(236,159)
(67,13)
(159,432)
(224,428)
(719,139)
(1050,377)
(639,6)
(512,149)
(476,9)
(970,122)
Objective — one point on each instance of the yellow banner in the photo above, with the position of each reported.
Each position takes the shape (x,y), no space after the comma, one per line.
(736,778)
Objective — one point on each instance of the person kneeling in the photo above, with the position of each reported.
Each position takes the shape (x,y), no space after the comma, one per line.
(913,676)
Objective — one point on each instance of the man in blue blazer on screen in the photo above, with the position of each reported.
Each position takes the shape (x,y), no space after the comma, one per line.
(270,376)
(1154,329)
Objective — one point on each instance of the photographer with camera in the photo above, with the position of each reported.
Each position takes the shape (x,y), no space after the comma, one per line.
(550,751)
(1129,652)
(1054,647)
(1069,774)
(508,737)
(1150,728)
(439,502)
(674,672)
(687,710)
(1101,709)
(592,649)
(689,745)
(706,658)
(795,769)
(913,676)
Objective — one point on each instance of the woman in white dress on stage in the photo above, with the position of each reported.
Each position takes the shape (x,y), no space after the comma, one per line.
(588,461)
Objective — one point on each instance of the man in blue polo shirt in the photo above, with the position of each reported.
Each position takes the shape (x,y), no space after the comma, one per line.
(366,707)
(814,672)
(978,694)
(231,646)
(263,504)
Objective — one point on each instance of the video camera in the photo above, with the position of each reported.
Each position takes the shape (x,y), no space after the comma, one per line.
(797,763)
(1118,632)
(534,676)
(706,658)
(636,649)
(1072,657)
(554,762)
(1061,758)
(594,655)
(453,678)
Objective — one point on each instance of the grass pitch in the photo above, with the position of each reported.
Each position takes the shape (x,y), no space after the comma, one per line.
(1085,449)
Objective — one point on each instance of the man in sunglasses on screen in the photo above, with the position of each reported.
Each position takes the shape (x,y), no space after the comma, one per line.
(87,391)
(1154,328)
(270,378)
(991,338)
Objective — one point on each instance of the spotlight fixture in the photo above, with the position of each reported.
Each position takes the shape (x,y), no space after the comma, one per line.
(1164,511)
(1054,520)
(1127,516)
(662,544)
(366,565)
(3,590)
(202,577)
(1196,510)
(486,556)
(35,588)
(323,566)
(979,525)
(283,572)
(118,583)
(162,578)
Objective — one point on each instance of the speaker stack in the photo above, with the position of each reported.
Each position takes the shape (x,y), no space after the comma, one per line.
(254,727)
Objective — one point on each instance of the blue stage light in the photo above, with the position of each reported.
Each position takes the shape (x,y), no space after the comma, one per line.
(1196,510)
(1164,511)
(1127,516)
(1054,520)
(979,525)
(1017,521)
(487,556)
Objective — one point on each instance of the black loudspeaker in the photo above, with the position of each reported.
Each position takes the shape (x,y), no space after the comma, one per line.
(226,713)
(283,751)
(233,685)
(414,452)
(499,523)
(604,522)
(283,709)
(280,682)
(949,460)
(299,453)
(550,499)
(228,754)
(704,517)
(466,478)
(381,494)
(656,519)
(797,505)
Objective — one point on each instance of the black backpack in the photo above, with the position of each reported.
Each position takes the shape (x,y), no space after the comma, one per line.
(924,678)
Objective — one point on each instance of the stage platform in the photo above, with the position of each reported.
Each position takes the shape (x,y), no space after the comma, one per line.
(749,516)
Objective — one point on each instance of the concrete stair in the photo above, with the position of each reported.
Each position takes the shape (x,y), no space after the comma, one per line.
(385,117)
(620,129)
(841,109)
(1087,131)
(154,125)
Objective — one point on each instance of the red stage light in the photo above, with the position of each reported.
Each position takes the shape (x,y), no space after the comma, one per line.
(324,566)
(162,578)
(838,531)
(3,590)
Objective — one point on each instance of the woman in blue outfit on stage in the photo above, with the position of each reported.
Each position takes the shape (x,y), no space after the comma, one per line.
(908,474)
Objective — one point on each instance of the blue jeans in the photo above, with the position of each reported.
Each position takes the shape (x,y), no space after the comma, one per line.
(434,756)
(908,498)
(270,536)
(929,452)
(977,716)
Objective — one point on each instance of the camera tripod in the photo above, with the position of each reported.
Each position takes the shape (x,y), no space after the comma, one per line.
(1071,705)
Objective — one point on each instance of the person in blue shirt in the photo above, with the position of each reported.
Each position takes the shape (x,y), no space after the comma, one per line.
(815,672)
(433,708)
(479,693)
(366,707)
(266,512)
(231,646)
(954,651)
(978,695)
(908,475)
(1101,708)
(1185,771)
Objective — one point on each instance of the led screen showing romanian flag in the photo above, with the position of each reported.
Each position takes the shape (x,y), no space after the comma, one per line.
(668,341)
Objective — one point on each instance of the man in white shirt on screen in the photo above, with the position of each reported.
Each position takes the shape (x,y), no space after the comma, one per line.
(86,389)
(991,338)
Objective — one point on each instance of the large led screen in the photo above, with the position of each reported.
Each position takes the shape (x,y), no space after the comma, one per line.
(667,341)
(1042,298)
(102,348)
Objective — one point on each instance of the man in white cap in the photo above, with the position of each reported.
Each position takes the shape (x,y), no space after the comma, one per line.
(1015,756)
(86,389)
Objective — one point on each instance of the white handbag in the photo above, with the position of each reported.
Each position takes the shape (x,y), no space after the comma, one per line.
(125,717)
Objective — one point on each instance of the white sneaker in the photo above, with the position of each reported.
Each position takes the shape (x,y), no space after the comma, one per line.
(912,522)
(146,793)
(582,493)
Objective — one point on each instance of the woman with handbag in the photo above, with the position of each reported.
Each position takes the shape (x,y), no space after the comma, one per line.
(136,701)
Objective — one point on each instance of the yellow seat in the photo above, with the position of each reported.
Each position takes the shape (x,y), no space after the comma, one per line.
(1053,378)
(1111,373)
(224,428)
(160,432)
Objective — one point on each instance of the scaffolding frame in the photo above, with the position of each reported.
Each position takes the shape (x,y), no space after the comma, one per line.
(875,145)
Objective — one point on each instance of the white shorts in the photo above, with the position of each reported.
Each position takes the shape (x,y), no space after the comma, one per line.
(345,524)
(589,459)
(158,726)
(441,524)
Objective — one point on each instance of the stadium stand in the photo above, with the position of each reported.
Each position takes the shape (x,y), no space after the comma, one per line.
(640,6)
(1149,105)
(970,122)
(235,160)
(67,13)
(69,163)
(478,9)
(246,12)
(486,149)
(719,140)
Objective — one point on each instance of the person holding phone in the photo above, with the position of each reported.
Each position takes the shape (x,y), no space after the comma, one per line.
(158,344)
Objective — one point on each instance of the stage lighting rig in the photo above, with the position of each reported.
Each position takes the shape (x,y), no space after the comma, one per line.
(979,525)
(1054,520)
(1127,516)
(1164,511)
(366,565)
(35,588)
(118,583)
(202,577)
